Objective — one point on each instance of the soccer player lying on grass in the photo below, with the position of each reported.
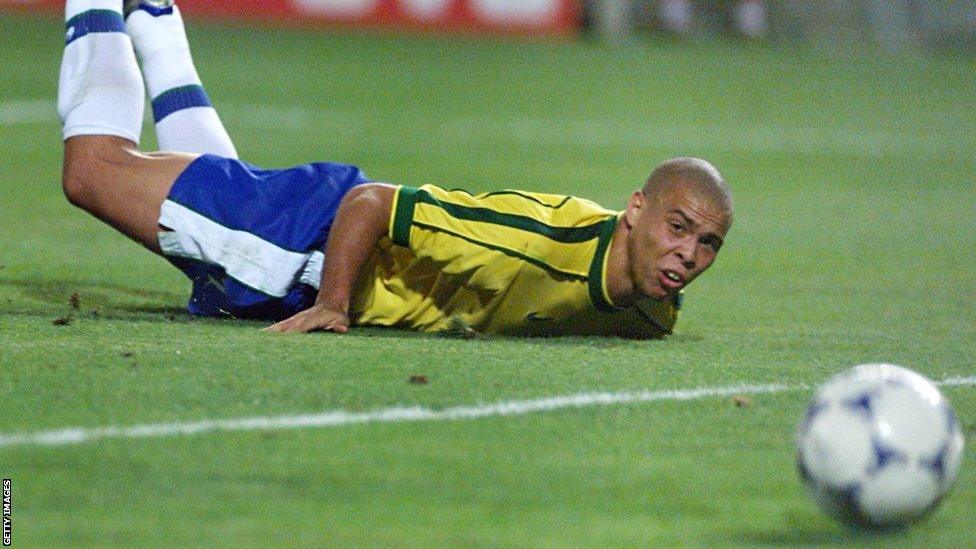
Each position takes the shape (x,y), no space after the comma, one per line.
(321,247)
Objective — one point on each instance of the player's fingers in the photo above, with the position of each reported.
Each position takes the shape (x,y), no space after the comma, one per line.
(338,323)
(307,321)
(306,324)
(283,326)
(273,329)
(331,325)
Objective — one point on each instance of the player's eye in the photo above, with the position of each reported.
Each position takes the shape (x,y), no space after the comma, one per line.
(677,227)
(712,243)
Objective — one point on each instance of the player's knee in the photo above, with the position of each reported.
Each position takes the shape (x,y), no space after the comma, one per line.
(89,165)
(76,183)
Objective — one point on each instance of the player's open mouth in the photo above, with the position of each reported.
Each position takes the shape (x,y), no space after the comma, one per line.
(670,280)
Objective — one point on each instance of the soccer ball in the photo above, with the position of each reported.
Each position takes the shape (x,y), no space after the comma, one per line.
(879,446)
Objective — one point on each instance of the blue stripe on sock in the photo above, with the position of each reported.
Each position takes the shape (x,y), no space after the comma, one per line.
(178,99)
(93,21)
(155,11)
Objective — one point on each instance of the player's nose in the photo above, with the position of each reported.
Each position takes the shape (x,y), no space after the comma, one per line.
(687,252)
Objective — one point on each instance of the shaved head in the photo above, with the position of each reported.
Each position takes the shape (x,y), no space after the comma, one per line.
(699,175)
(670,232)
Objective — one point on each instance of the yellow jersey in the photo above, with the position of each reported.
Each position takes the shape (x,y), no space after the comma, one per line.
(509,262)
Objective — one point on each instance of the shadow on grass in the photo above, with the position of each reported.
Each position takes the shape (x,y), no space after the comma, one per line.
(803,532)
(94,301)
(59,292)
(114,302)
(101,301)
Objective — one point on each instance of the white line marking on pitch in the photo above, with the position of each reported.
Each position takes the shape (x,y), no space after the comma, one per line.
(958,381)
(339,418)
(387,415)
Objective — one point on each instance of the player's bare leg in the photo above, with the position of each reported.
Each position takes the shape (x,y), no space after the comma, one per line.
(185,118)
(101,101)
(109,178)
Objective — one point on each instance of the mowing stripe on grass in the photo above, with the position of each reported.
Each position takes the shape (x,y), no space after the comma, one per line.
(339,418)
(628,134)
(33,111)
(585,133)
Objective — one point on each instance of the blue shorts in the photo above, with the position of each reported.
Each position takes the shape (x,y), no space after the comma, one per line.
(251,240)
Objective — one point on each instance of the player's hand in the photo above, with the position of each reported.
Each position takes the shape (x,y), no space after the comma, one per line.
(316,318)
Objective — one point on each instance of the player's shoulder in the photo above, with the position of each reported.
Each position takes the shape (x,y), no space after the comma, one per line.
(556,208)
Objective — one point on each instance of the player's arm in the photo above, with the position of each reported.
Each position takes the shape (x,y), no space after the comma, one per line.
(363,218)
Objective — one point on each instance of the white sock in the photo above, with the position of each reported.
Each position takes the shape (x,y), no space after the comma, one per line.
(100,91)
(750,18)
(676,15)
(185,119)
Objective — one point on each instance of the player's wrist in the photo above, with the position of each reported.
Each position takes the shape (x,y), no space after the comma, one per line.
(336,305)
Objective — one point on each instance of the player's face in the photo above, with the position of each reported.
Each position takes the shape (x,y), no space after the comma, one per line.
(674,237)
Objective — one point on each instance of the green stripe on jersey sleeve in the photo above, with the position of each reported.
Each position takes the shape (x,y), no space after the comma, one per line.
(403,215)
(566,235)
(507,251)
(595,279)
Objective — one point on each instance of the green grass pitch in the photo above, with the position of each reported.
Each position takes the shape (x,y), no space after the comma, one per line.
(853,242)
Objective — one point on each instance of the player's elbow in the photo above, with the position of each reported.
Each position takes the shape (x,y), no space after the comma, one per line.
(373,200)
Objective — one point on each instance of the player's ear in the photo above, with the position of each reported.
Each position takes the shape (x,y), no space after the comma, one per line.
(634,206)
